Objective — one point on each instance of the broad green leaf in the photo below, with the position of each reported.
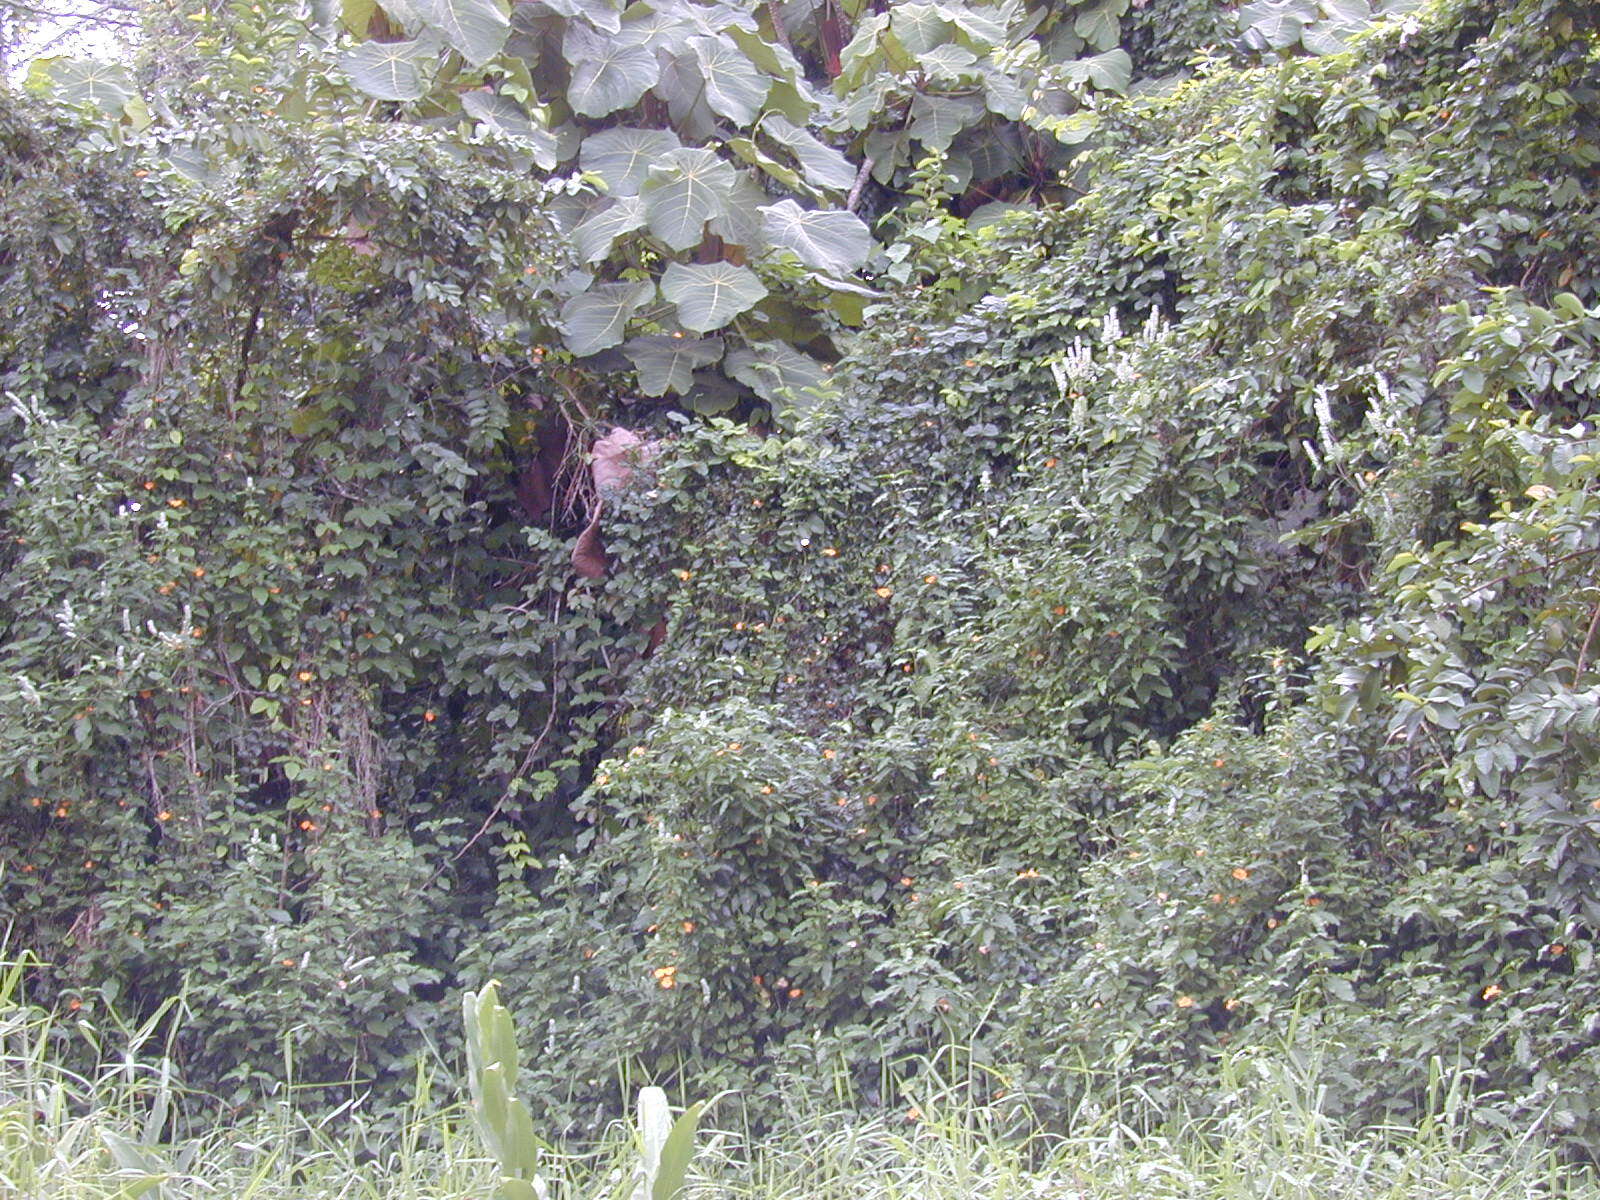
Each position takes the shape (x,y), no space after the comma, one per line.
(756,157)
(1003,95)
(861,55)
(1099,25)
(734,87)
(672,1160)
(475,29)
(105,86)
(667,364)
(739,222)
(596,320)
(356,15)
(935,120)
(948,63)
(596,233)
(623,156)
(996,212)
(662,31)
(682,192)
(981,30)
(605,15)
(607,74)
(685,93)
(824,166)
(1275,24)
(830,240)
(506,116)
(709,295)
(1111,71)
(385,70)
(776,60)
(776,370)
(919,27)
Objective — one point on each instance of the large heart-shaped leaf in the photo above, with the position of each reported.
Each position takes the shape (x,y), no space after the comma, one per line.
(1099,25)
(475,29)
(734,87)
(663,30)
(607,73)
(739,222)
(776,370)
(597,319)
(830,240)
(1275,24)
(623,156)
(83,81)
(980,30)
(1111,71)
(386,70)
(667,364)
(935,120)
(605,15)
(709,295)
(504,115)
(595,233)
(919,27)
(824,166)
(682,192)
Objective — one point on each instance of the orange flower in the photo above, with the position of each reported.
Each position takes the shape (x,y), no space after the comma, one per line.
(883,593)
(688,927)
(1493,990)
(1241,874)
(164,815)
(1185,1001)
(430,716)
(930,579)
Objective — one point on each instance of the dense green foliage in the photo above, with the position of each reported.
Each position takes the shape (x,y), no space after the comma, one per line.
(1173,632)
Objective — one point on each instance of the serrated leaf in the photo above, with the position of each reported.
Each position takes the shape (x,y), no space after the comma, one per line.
(596,233)
(935,120)
(505,116)
(667,364)
(623,156)
(733,86)
(105,86)
(607,73)
(830,240)
(475,29)
(385,70)
(682,192)
(709,295)
(597,319)
(824,167)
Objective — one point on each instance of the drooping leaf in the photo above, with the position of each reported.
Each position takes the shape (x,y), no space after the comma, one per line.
(733,86)
(595,234)
(607,73)
(746,149)
(830,240)
(597,319)
(667,364)
(861,54)
(824,167)
(709,295)
(682,191)
(622,156)
(506,116)
(981,31)
(386,70)
(475,29)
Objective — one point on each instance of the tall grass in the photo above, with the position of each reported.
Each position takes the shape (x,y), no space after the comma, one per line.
(126,1128)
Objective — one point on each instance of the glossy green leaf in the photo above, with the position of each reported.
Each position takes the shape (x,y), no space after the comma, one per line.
(935,120)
